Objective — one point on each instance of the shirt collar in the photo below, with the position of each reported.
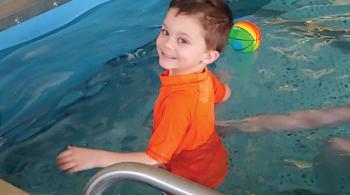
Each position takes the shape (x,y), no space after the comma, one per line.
(182,79)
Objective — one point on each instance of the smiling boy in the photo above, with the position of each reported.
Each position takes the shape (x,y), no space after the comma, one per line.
(184,139)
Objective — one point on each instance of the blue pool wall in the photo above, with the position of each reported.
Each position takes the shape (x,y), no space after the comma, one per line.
(38,81)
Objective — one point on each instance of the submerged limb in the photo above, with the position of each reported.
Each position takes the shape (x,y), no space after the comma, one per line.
(332,165)
(295,121)
(235,126)
(341,144)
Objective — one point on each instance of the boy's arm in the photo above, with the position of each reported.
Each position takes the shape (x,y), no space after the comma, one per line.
(76,159)
(222,91)
(302,120)
(227,94)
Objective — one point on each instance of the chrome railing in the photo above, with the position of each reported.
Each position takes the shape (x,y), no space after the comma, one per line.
(153,176)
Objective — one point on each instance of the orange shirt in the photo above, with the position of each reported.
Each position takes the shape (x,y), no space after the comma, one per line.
(184,138)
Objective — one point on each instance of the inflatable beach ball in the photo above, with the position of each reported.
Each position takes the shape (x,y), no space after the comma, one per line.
(245,36)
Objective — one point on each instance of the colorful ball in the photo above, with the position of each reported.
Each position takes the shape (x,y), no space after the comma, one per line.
(245,36)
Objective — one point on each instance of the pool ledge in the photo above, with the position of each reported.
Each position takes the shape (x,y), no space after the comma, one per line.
(7,188)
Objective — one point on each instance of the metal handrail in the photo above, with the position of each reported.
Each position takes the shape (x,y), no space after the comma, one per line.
(153,176)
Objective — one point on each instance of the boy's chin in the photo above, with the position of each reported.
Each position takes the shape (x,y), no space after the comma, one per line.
(166,66)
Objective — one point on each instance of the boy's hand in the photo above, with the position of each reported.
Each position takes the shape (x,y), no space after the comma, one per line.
(76,159)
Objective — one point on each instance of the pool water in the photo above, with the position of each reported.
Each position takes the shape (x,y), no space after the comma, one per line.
(93,83)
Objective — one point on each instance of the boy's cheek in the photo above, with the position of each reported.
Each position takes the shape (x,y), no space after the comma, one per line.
(158,45)
(158,41)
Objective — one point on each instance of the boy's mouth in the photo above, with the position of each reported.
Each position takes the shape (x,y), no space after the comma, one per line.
(167,56)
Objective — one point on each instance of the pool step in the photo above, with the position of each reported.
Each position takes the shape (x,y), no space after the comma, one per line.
(7,188)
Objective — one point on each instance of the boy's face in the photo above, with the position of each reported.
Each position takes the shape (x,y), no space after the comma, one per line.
(181,45)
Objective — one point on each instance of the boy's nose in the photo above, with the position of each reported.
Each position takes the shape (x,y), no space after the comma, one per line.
(169,44)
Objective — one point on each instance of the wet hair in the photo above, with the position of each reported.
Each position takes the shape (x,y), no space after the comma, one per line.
(214,15)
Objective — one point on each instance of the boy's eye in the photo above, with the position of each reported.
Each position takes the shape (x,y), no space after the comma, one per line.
(182,41)
(164,32)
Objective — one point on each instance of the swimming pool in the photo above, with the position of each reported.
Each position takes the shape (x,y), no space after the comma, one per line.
(93,82)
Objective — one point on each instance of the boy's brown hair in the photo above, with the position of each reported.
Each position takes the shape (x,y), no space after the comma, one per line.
(214,15)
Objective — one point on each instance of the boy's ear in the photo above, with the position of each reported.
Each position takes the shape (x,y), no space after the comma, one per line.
(211,56)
